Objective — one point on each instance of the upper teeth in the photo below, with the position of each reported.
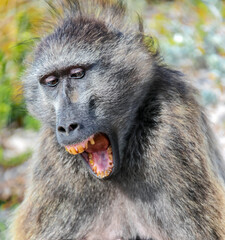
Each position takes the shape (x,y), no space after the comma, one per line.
(80,147)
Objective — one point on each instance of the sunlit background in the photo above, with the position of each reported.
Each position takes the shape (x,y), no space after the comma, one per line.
(191,36)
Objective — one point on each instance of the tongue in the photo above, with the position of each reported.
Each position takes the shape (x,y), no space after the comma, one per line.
(101,144)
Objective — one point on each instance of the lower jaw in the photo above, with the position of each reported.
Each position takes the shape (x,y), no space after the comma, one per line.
(97,167)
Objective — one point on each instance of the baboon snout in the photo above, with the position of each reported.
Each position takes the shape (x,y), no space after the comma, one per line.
(67,131)
(67,128)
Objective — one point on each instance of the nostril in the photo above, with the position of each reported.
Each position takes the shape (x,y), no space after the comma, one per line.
(72,127)
(61,129)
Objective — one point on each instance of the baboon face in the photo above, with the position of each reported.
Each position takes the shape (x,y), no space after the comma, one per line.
(86,82)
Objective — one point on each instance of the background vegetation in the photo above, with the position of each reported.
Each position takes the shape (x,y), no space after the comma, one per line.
(191,36)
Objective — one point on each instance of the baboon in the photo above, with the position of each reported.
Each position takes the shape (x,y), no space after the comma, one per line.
(125,150)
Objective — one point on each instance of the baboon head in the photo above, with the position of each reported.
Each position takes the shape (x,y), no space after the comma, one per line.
(87,80)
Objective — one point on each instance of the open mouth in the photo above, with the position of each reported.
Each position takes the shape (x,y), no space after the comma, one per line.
(97,152)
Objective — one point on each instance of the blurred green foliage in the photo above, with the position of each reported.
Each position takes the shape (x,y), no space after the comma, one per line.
(14,161)
(2,229)
(16,29)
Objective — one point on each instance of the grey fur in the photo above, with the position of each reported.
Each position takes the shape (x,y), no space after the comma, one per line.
(169,182)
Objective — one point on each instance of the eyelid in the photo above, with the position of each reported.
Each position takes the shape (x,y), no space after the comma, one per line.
(50,78)
(77,73)
(76,70)
(44,77)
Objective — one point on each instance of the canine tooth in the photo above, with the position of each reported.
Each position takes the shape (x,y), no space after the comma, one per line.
(106,173)
(86,145)
(98,173)
(92,141)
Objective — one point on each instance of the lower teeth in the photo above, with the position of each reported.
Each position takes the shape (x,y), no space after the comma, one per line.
(103,173)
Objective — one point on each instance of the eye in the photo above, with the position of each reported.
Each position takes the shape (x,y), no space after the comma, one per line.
(77,73)
(50,81)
